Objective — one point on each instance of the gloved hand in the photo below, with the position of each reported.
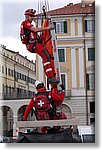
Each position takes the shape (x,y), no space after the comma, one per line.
(62,86)
(51,26)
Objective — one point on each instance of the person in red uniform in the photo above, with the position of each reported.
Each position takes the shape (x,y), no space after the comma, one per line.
(47,105)
(30,38)
(40,102)
(57,99)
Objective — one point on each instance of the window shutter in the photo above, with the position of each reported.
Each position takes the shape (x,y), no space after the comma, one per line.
(85,25)
(87,82)
(91,54)
(63,80)
(55,26)
(65,26)
(61,54)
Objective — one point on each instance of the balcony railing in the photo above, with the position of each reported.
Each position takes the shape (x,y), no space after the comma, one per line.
(18,95)
(25,95)
(28,94)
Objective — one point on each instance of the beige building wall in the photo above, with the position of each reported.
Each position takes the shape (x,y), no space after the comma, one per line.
(76,43)
(11,61)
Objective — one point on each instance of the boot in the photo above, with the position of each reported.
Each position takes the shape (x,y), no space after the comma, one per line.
(52,80)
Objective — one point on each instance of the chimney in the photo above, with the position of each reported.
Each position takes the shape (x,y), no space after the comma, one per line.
(70,4)
(3,46)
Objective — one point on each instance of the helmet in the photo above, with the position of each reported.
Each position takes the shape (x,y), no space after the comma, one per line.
(30,12)
(38,83)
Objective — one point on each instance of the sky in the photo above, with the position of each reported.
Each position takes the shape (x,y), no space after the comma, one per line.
(11,16)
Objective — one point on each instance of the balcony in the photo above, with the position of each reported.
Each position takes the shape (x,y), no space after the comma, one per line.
(18,95)
(25,95)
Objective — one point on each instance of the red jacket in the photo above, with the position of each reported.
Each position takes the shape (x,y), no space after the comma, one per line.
(31,104)
(28,109)
(26,32)
(27,24)
(56,96)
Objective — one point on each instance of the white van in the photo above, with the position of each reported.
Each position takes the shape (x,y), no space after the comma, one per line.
(87,134)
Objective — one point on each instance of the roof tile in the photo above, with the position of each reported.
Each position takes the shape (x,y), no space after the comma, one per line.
(73,9)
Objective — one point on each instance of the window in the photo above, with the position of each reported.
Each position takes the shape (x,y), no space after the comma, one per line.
(6,70)
(2,88)
(20,76)
(17,75)
(7,55)
(12,73)
(91,54)
(92,107)
(63,80)
(61,54)
(2,69)
(11,57)
(25,78)
(6,89)
(9,89)
(92,120)
(18,90)
(89,25)
(9,71)
(60,27)
(90,81)
(87,82)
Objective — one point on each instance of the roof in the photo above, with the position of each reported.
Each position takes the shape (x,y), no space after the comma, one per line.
(13,52)
(71,9)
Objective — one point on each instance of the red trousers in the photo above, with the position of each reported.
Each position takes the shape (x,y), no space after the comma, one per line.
(38,48)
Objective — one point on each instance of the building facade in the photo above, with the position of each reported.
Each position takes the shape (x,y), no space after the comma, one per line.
(75,27)
(17,77)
